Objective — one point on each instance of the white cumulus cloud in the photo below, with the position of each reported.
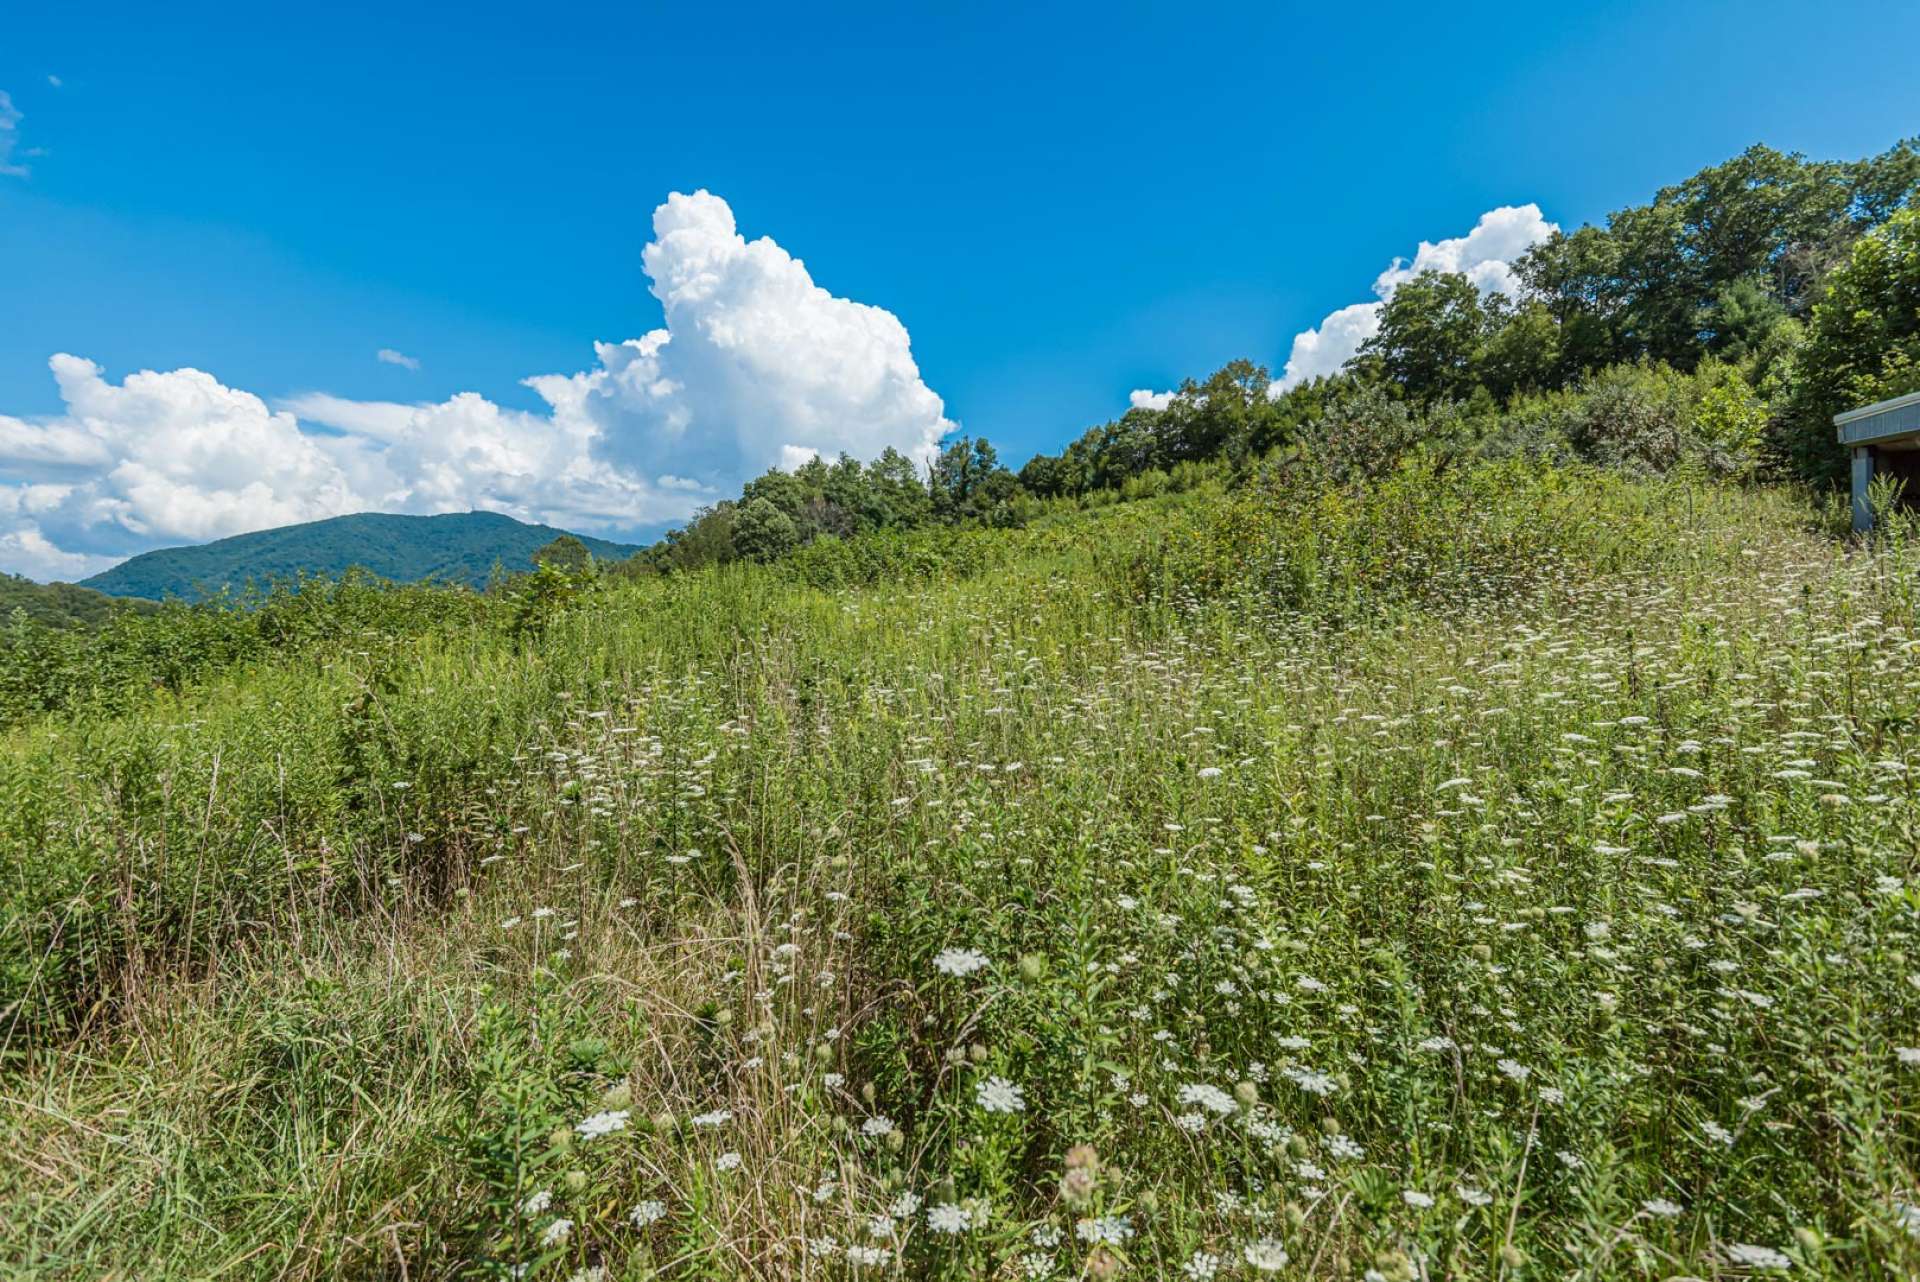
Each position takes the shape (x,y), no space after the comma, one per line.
(756,366)
(467,453)
(157,457)
(1484,256)
(1328,346)
(25,550)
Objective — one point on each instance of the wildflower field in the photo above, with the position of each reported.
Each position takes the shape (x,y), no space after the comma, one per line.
(1508,873)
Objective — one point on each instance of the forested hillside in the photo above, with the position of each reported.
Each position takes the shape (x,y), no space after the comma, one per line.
(458,547)
(56,604)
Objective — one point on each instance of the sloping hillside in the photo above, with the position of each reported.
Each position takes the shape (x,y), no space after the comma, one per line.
(58,604)
(460,547)
(1479,873)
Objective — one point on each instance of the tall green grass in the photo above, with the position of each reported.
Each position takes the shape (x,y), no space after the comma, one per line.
(1492,873)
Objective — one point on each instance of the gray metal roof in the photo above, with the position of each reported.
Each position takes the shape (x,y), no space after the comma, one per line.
(1880,421)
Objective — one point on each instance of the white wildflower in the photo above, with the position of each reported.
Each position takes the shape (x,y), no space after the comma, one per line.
(1265,1255)
(603,1124)
(1211,1098)
(1106,1230)
(998,1095)
(1201,1267)
(1757,1257)
(959,962)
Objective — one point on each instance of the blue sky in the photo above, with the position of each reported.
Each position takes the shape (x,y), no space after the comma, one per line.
(1059,203)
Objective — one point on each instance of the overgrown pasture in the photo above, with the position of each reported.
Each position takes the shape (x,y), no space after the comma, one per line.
(1507,873)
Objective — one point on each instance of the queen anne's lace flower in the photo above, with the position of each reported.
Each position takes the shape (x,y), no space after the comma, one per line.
(1106,1230)
(1211,1098)
(1265,1255)
(603,1124)
(959,962)
(998,1095)
(1758,1257)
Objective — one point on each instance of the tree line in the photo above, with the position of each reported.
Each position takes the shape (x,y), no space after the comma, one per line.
(1723,323)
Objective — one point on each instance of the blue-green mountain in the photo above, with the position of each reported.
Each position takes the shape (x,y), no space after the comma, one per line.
(460,547)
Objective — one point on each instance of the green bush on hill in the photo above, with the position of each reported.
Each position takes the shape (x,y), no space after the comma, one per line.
(58,605)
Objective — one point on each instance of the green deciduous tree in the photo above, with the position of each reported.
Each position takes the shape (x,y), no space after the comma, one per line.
(1522,354)
(762,532)
(1430,331)
(1740,319)
(960,478)
(566,554)
(1863,343)
(1664,280)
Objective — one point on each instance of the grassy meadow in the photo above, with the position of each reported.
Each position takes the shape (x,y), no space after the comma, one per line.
(1507,873)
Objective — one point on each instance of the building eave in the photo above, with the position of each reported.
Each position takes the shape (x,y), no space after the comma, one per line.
(1883,420)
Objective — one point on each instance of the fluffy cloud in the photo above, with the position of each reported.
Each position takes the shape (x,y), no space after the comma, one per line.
(10,119)
(1327,347)
(387,356)
(174,456)
(467,453)
(756,366)
(1484,256)
(26,551)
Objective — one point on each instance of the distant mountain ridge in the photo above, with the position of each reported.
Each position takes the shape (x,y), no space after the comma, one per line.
(457,547)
